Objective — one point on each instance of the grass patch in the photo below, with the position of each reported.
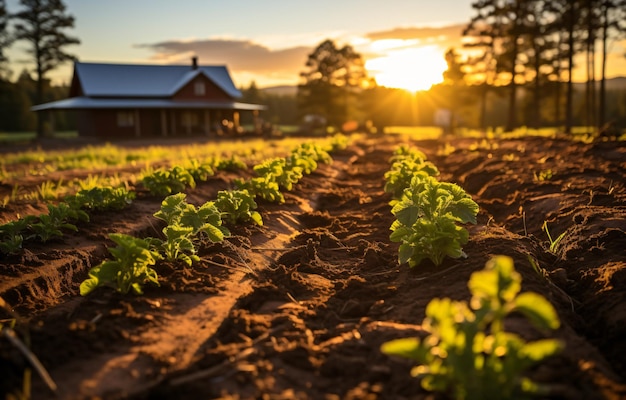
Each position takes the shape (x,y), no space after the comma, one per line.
(19,137)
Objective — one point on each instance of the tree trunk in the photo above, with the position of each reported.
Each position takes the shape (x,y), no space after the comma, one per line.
(483,107)
(39,100)
(570,67)
(602,106)
(557,106)
(593,106)
(512,117)
(536,118)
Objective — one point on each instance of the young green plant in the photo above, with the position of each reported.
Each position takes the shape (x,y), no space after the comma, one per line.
(426,221)
(130,268)
(467,353)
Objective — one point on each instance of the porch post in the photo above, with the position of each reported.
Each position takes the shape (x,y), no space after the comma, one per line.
(137,123)
(255,121)
(189,115)
(163,122)
(173,115)
(207,123)
(236,121)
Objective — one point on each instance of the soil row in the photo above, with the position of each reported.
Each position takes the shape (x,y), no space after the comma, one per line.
(298,308)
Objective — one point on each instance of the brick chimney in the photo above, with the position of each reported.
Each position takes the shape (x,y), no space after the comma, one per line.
(194,62)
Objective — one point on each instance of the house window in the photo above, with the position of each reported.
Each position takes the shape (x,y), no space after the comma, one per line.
(125,118)
(189,119)
(199,89)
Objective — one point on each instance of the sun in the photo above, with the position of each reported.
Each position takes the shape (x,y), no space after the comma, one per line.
(410,68)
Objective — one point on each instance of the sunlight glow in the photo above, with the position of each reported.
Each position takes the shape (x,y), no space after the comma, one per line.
(412,69)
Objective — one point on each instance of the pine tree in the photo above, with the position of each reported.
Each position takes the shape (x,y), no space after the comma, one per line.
(332,79)
(613,26)
(42,23)
(500,22)
(482,37)
(5,39)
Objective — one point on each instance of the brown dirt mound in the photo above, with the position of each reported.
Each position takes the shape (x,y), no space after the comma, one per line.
(299,307)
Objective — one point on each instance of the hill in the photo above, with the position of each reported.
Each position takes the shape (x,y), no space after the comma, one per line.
(284,90)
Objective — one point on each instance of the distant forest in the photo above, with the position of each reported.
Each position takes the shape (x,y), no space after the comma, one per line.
(397,107)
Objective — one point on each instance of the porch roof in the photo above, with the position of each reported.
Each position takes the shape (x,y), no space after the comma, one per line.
(87,103)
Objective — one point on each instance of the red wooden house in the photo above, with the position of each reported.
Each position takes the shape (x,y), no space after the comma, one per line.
(120,100)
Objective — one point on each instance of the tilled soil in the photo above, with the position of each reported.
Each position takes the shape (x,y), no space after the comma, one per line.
(299,307)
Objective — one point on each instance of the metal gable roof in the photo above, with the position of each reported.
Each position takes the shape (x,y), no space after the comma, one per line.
(136,80)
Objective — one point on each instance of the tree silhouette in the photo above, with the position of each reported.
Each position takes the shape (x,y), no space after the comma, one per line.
(498,27)
(332,78)
(5,39)
(454,89)
(42,23)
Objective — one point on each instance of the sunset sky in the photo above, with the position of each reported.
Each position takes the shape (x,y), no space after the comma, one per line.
(267,41)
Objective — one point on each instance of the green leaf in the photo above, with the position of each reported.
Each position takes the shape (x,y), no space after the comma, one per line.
(541,349)
(537,309)
(465,210)
(89,285)
(405,253)
(406,347)
(498,280)
(256,217)
(400,233)
(214,233)
(407,214)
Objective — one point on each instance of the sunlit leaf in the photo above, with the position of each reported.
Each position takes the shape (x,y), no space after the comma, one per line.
(537,309)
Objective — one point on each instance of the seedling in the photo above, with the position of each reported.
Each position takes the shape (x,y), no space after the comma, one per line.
(467,353)
(204,219)
(201,171)
(184,223)
(232,163)
(59,217)
(48,190)
(164,182)
(278,170)
(543,175)
(406,164)
(237,206)
(427,217)
(554,244)
(178,244)
(130,268)
(102,198)
(12,235)
(339,142)
(265,187)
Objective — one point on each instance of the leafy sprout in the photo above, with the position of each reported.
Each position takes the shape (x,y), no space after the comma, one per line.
(468,353)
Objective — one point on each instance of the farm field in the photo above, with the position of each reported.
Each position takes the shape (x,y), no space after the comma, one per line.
(300,306)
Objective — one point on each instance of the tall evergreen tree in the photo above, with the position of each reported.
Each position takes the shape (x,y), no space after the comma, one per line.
(482,38)
(613,25)
(538,43)
(43,24)
(503,20)
(568,12)
(454,87)
(332,78)
(5,39)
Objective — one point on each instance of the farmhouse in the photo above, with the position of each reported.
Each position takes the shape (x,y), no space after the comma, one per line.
(121,100)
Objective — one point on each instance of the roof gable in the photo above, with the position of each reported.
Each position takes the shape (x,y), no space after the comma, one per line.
(197,86)
(136,80)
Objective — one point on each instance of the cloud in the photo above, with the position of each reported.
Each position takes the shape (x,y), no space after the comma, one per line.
(249,60)
(238,55)
(451,32)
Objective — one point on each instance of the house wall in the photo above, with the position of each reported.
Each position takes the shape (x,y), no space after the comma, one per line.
(106,125)
(212,91)
(149,123)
